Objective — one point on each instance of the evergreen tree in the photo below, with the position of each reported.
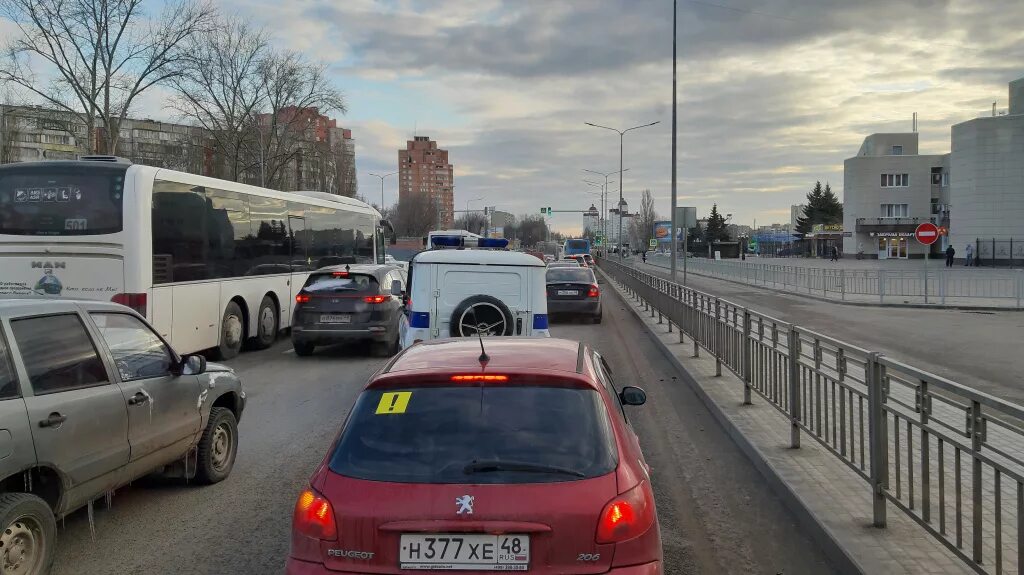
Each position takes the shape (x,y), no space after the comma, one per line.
(716,231)
(831,209)
(812,210)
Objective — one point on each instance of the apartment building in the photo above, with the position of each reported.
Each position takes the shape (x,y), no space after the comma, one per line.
(424,170)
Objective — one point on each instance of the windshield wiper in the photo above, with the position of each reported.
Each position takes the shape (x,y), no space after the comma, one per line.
(488,466)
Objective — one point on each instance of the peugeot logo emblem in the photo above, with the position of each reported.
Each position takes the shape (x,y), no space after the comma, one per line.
(465,504)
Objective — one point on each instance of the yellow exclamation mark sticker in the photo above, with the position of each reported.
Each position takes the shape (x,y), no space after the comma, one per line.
(394,402)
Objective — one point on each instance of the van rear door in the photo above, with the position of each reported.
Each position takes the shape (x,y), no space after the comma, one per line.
(506,283)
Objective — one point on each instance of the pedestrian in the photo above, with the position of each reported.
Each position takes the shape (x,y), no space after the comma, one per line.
(835,254)
(644,256)
(860,250)
(969,251)
(950,252)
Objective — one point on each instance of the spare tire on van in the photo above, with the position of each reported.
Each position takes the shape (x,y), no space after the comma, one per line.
(481,313)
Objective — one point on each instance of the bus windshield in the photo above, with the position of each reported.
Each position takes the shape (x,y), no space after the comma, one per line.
(577,247)
(61,200)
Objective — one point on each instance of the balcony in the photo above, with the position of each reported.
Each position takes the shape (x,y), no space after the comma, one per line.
(891,224)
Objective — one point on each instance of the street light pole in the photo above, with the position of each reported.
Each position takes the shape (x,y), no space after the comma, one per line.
(622,134)
(672,233)
(382,187)
(604,204)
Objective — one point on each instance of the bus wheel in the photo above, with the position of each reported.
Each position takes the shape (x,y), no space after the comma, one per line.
(232,331)
(266,325)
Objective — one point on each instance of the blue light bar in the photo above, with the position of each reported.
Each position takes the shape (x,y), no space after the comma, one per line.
(447,241)
(499,243)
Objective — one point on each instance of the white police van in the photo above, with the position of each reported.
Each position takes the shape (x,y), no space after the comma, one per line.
(457,292)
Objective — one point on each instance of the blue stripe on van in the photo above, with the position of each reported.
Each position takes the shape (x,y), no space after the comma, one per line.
(421,319)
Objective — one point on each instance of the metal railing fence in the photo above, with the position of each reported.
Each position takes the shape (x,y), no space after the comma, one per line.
(948,456)
(938,285)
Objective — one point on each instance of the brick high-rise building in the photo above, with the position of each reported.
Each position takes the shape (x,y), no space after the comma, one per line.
(424,170)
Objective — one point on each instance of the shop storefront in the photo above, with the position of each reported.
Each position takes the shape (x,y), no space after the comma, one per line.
(893,245)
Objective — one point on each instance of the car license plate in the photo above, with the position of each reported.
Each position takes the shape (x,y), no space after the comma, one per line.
(568,292)
(335,318)
(464,552)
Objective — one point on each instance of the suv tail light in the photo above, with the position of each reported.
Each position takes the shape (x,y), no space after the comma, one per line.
(302,298)
(314,517)
(594,292)
(627,516)
(136,301)
(376,298)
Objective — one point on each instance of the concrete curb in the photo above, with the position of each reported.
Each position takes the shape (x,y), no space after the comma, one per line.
(820,533)
(852,303)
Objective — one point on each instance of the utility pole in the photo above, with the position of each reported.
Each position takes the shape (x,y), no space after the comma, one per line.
(672,233)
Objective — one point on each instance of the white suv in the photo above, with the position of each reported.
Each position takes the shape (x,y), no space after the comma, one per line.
(462,292)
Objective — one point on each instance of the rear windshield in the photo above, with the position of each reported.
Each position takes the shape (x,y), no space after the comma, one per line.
(568,274)
(577,244)
(520,434)
(329,283)
(61,200)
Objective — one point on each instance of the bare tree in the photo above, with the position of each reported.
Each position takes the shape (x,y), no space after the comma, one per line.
(415,215)
(295,90)
(220,86)
(471,222)
(644,220)
(105,53)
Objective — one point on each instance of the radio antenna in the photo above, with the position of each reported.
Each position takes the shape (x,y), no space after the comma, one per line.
(484,358)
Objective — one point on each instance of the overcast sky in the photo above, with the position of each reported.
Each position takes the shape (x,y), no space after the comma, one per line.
(773,94)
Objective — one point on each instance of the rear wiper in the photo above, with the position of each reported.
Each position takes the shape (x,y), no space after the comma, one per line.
(488,466)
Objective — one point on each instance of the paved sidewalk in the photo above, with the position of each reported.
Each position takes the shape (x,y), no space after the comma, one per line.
(816,485)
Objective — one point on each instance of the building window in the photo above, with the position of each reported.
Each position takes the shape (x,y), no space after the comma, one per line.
(895,180)
(897,150)
(894,210)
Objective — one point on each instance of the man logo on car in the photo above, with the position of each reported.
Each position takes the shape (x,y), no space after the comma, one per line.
(49,284)
(465,504)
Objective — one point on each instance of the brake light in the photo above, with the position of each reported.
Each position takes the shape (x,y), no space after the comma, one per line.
(340,274)
(594,292)
(136,301)
(479,377)
(314,517)
(375,298)
(627,516)
(302,298)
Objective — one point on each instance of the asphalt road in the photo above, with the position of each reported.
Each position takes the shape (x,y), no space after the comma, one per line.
(716,514)
(980,349)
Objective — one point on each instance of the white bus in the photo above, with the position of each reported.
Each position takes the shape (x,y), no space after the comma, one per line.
(212,264)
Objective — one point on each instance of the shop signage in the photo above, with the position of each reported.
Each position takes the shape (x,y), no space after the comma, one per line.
(822,228)
(893,234)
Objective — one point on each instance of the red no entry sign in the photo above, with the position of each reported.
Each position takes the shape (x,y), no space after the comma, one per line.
(927,233)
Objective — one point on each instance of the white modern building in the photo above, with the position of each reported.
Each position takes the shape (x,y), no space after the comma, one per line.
(889,188)
(987,183)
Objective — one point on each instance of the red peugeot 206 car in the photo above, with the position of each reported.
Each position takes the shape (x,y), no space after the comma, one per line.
(519,458)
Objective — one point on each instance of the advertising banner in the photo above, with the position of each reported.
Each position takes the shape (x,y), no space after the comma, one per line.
(663,232)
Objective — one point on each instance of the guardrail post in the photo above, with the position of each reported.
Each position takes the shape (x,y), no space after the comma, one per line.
(694,323)
(842,282)
(924,407)
(793,378)
(977,429)
(718,337)
(881,286)
(1020,287)
(878,437)
(746,350)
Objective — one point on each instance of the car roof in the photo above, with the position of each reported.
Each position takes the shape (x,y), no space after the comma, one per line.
(371,269)
(562,358)
(13,307)
(471,256)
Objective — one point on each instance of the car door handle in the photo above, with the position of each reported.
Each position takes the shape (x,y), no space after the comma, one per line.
(54,420)
(138,399)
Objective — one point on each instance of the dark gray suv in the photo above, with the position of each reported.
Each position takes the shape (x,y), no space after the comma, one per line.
(350,303)
(91,398)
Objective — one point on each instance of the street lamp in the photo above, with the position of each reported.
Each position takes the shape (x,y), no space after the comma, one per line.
(382,187)
(622,134)
(473,200)
(604,190)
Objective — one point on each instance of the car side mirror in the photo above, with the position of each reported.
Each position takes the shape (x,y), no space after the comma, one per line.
(632,396)
(396,288)
(193,365)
